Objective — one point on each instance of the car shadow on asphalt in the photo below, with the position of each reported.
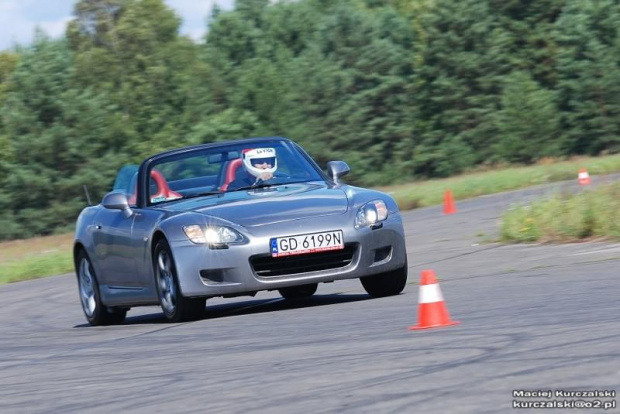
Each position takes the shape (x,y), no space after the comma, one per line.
(249,307)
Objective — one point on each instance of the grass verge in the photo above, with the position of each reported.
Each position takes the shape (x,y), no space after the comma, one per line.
(431,192)
(565,217)
(36,257)
(51,255)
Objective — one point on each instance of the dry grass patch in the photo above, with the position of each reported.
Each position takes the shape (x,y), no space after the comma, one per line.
(36,257)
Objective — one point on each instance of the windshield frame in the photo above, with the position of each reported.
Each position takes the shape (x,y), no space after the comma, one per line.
(177,154)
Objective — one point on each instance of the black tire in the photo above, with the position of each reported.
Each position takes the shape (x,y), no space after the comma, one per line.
(176,307)
(95,311)
(298,292)
(386,284)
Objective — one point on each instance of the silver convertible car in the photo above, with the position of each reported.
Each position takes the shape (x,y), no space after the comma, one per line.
(232,219)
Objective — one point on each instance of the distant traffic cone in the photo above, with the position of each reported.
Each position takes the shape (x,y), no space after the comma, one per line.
(432,311)
(448,203)
(584,177)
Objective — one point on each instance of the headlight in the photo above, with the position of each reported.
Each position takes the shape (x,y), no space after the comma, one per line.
(195,234)
(222,235)
(212,235)
(370,214)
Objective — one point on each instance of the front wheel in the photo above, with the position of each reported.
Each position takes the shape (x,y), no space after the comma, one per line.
(176,307)
(298,292)
(95,311)
(385,284)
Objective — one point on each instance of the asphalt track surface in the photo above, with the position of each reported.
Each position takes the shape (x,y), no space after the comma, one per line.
(532,317)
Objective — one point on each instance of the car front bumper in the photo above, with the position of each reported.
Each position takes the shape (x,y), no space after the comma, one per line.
(207,272)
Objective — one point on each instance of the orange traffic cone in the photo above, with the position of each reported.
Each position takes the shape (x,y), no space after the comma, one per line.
(583,177)
(448,203)
(432,311)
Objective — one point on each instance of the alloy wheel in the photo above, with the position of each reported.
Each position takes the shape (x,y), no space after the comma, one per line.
(87,288)
(165,280)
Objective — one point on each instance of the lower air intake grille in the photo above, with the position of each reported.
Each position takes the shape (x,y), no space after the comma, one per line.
(267,266)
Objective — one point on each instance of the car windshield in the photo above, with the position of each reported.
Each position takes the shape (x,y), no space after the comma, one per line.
(229,168)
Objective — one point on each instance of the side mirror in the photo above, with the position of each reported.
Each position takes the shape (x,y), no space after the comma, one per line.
(117,200)
(337,169)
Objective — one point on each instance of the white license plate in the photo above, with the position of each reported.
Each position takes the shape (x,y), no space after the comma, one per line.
(306,243)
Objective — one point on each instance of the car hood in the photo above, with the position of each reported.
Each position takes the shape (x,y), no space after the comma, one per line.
(250,208)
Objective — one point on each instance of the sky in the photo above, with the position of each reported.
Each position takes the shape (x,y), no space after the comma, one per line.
(18,18)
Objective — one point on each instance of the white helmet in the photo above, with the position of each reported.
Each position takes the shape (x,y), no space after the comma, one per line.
(256,156)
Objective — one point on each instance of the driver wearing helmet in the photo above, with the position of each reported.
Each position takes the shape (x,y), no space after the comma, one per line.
(259,164)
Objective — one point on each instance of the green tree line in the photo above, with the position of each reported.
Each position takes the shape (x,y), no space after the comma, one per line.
(399,89)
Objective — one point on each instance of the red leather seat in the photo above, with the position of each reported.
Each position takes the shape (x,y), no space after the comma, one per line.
(163,189)
(231,171)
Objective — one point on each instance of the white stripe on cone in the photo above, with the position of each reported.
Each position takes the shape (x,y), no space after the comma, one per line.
(430,294)
(583,175)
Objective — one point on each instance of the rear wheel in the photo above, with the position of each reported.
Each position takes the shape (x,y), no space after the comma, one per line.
(176,307)
(386,284)
(298,292)
(96,312)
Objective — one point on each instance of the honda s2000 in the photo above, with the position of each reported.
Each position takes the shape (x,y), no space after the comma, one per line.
(232,219)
